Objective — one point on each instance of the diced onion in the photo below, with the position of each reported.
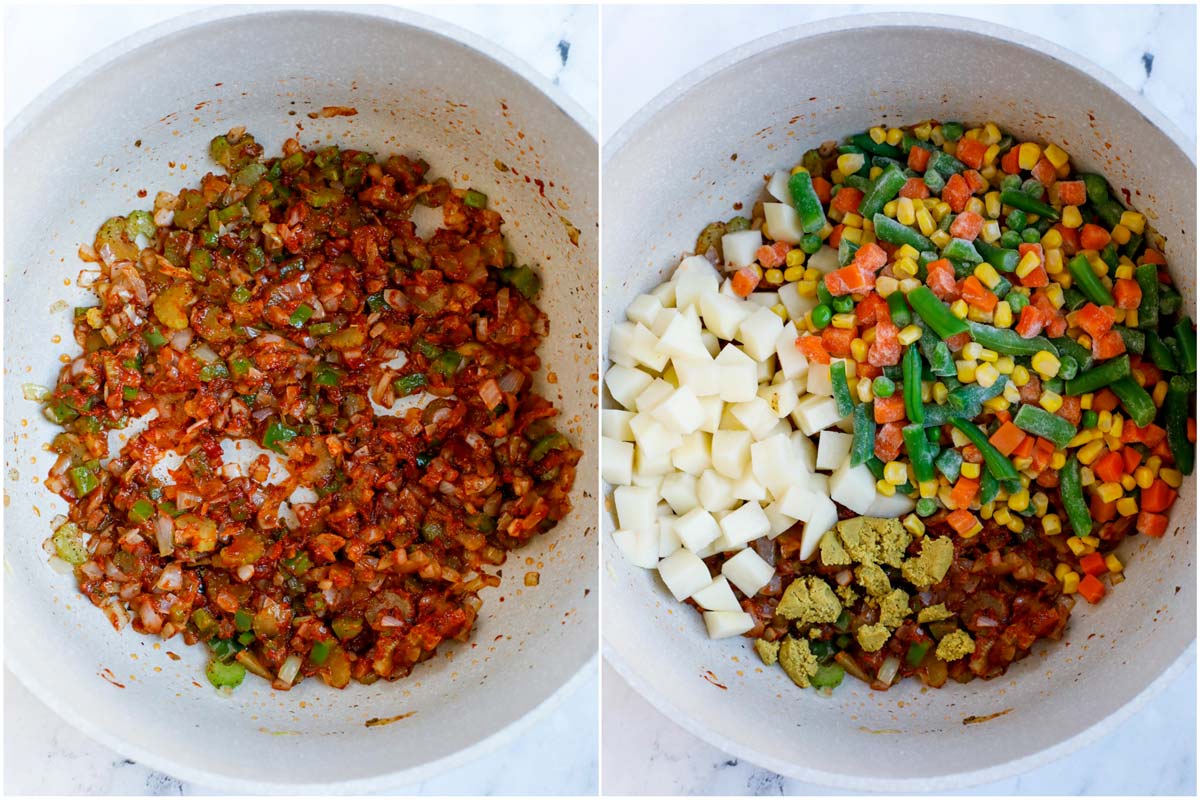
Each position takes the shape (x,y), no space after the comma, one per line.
(34,392)
(889,669)
(290,669)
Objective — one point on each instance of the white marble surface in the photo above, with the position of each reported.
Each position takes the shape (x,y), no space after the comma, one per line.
(43,754)
(1150,48)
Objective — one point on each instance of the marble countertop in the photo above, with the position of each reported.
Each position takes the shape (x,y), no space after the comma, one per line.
(45,755)
(1152,49)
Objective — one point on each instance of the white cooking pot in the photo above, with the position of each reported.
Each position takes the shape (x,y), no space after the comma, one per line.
(705,144)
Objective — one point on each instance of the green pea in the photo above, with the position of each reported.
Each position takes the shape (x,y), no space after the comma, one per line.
(1010,240)
(843,304)
(1016,220)
(810,243)
(883,386)
(822,315)
(1031,236)
(926,506)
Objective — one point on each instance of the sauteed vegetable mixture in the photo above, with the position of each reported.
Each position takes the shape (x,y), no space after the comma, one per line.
(289,303)
(897,421)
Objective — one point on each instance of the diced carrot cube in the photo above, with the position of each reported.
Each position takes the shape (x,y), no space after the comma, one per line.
(889,409)
(847,199)
(835,235)
(1010,161)
(918,158)
(1091,589)
(1093,319)
(914,188)
(974,180)
(1128,293)
(966,225)
(1109,467)
(1159,497)
(1044,171)
(964,492)
(837,340)
(1110,345)
(1154,525)
(1072,193)
(823,188)
(813,349)
(939,276)
(956,193)
(978,295)
(1093,237)
(962,521)
(1093,564)
(744,281)
(1007,437)
(970,152)
(1030,323)
(888,440)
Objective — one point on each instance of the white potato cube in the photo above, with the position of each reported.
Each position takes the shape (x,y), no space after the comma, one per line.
(717,596)
(797,305)
(650,434)
(724,624)
(665,292)
(697,529)
(746,488)
(774,464)
(781,397)
(679,490)
(644,347)
(616,461)
(755,416)
(821,520)
(625,384)
(895,506)
(691,286)
(640,548)
(833,448)
(731,453)
(798,501)
(684,574)
(819,380)
(777,187)
(806,451)
(780,522)
(748,572)
(723,314)
(695,265)
(765,369)
(636,507)
(658,391)
(715,491)
(711,343)
(694,454)
(714,408)
(668,541)
(783,222)
(759,332)
(681,412)
(739,375)
(815,413)
(620,344)
(644,309)
(650,461)
(614,423)
(702,376)
(740,247)
(649,480)
(824,260)
(745,524)
(853,487)
(792,361)
(767,299)
(681,339)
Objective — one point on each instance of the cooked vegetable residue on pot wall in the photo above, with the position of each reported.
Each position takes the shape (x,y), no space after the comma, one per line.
(287,304)
(897,421)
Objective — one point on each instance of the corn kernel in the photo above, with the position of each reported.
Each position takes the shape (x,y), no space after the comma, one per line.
(1172,477)
(1070,583)
(868,336)
(939,238)
(895,136)
(1058,460)
(1134,221)
(1029,262)
(889,209)
(913,524)
(1104,421)
(1016,524)
(1128,483)
(1052,238)
(826,231)
(1061,571)
(780,311)
(1001,515)
(1055,293)
(905,267)
(1045,363)
(928,488)
(878,134)
(806,288)
(850,163)
(959,309)
(1109,492)
(1113,563)
(908,284)
(886,286)
(909,334)
(970,470)
(858,349)
(1120,234)
(991,205)
(1020,375)
(1028,155)
(1019,501)
(1077,545)
(990,231)
(1154,463)
(974,205)
(989,156)
(1002,315)
(864,390)
(1040,503)
(884,488)
(1131,318)
(1124,271)
(1085,400)
(1056,156)
(795,257)
(1144,477)
(986,375)
(1127,507)
(853,235)
(1071,218)
(905,213)
(895,473)
(774,276)
(925,221)
(966,371)
(844,321)
(1090,451)
(852,220)
(1159,394)
(793,274)
(875,172)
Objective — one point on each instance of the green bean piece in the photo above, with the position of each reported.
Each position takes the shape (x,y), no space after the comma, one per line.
(912,387)
(1169,300)
(1008,342)
(1002,258)
(1069,347)
(1019,199)
(1071,490)
(1088,283)
(936,352)
(866,143)
(996,462)
(961,250)
(1136,400)
(841,388)
(937,416)
(1109,212)
(974,394)
(898,309)
(920,451)
(1146,276)
(1135,340)
(1096,187)
(806,202)
(1040,422)
(882,189)
(1185,334)
(1160,355)
(889,230)
(1098,377)
(945,164)
(1177,406)
(935,313)
(862,447)
(949,463)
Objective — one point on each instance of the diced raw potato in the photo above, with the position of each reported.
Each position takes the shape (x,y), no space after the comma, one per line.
(711,343)
(815,413)
(739,375)
(798,502)
(614,423)
(819,380)
(853,487)
(727,289)
(780,522)
(783,222)
(796,304)
(740,247)
(759,332)
(823,517)
(805,450)
(658,391)
(731,453)
(715,491)
(728,421)
(636,507)
(626,383)
(773,463)
(731,354)
(697,529)
(681,412)
(724,624)
(748,572)
(792,361)
(832,449)
(650,434)
(695,265)
(663,319)
(746,488)
(644,347)
(824,260)
(765,369)
(781,427)
(690,287)
(693,455)
(649,480)
(620,344)
(745,524)
(755,416)
(777,187)
(616,461)
(897,505)
(668,541)
(670,376)
(639,547)
(681,339)
(665,292)
(644,309)
(684,574)
(767,299)
(703,376)
(650,461)
(713,407)
(781,397)
(717,596)
(679,490)
(723,314)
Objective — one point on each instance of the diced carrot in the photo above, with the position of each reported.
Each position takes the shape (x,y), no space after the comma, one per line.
(889,409)
(1130,458)
(974,180)
(914,188)
(1151,435)
(871,309)
(1093,237)
(847,199)
(1154,525)
(837,340)
(918,158)
(1044,171)
(768,257)
(964,492)
(744,281)
(1070,410)
(888,440)
(1091,589)
(1024,449)
(1145,373)
(849,280)
(866,370)
(1036,278)
(835,235)
(870,257)
(1010,161)
(1093,319)
(1105,400)
(1032,247)
(956,193)
(1057,326)
(958,341)
(1002,415)
(824,188)
(1093,564)
(1072,193)
(978,295)
(813,349)
(886,350)
(939,276)
(966,225)
(1110,345)
(1158,497)
(1151,256)
(1127,293)
(1109,467)
(1101,511)
(962,521)
(1070,237)
(1007,437)
(1030,323)
(970,152)
(1043,451)
(971,454)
